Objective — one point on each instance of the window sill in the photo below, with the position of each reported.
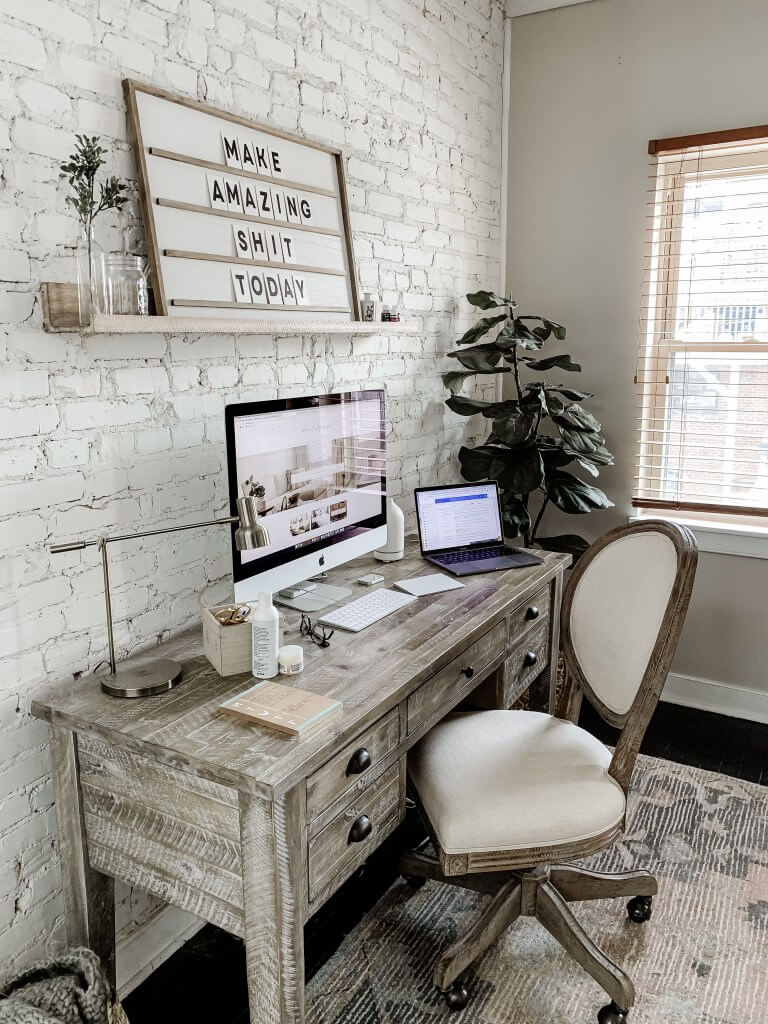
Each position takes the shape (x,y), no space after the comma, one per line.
(720,536)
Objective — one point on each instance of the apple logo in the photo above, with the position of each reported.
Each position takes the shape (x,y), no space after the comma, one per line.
(322,559)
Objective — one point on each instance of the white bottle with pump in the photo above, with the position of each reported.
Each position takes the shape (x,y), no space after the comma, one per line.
(266,638)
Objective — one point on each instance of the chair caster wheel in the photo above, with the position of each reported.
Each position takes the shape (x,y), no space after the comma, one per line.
(457,996)
(612,1014)
(640,908)
(415,881)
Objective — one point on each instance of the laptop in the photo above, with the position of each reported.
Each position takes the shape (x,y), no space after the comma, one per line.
(460,530)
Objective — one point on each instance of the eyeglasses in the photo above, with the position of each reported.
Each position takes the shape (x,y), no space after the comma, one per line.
(233,614)
(318,634)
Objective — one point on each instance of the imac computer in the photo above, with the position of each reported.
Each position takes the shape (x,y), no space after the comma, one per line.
(317,469)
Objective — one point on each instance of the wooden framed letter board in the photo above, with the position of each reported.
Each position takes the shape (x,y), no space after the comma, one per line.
(242,220)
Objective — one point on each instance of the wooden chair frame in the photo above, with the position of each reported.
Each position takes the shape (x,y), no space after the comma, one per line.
(526,882)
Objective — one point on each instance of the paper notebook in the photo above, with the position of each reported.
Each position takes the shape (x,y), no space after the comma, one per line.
(434,583)
(284,708)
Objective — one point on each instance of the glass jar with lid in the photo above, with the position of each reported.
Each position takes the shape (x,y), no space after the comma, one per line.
(126,287)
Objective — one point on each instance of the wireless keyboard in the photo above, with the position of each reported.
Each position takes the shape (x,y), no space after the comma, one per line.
(366,610)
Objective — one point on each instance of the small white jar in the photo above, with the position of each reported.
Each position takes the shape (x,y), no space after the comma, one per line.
(290,660)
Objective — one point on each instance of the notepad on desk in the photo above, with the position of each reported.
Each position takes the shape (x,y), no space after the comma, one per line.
(284,708)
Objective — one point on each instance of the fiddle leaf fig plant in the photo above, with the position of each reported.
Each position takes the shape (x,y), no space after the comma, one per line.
(535,435)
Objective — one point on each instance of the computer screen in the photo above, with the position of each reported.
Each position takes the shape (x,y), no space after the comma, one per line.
(316,468)
(453,517)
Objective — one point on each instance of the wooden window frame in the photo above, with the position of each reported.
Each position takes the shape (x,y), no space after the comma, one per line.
(656,354)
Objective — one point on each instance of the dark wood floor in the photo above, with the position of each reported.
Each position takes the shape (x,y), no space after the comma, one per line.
(204,982)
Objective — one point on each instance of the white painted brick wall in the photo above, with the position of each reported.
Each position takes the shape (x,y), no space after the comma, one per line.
(116,433)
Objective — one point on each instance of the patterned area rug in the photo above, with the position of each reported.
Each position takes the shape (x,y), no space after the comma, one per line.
(703,956)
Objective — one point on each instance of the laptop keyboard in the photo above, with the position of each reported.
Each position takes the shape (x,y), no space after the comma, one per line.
(469,556)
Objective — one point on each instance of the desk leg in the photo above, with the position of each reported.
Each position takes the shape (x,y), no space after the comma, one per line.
(89,896)
(274,887)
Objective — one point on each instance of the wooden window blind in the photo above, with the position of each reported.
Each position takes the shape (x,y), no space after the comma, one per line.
(702,363)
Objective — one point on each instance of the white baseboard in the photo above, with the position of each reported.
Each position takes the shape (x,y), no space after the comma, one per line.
(145,948)
(723,698)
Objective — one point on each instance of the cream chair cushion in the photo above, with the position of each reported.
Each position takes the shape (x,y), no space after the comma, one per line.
(507,780)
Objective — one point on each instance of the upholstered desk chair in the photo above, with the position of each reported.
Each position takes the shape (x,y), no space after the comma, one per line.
(507,796)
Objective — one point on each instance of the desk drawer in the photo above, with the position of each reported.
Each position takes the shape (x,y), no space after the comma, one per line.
(356,832)
(527,660)
(351,767)
(433,695)
(529,614)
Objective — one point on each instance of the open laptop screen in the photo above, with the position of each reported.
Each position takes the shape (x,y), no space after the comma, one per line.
(456,517)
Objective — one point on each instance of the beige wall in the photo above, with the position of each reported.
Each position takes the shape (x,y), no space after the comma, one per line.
(591,85)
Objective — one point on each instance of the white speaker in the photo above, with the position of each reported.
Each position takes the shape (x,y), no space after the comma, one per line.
(394,549)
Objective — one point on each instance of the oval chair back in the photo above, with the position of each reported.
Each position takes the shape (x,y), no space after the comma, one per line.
(623,611)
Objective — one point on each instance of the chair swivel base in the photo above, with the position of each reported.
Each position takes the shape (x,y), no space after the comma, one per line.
(543,892)
(143,679)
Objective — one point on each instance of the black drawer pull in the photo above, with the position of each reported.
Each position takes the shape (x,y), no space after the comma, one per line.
(359,762)
(532,612)
(468,672)
(361,829)
(531,657)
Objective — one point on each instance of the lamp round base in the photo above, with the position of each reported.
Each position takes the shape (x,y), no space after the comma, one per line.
(142,680)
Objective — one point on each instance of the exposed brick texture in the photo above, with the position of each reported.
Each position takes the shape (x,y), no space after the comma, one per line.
(117,433)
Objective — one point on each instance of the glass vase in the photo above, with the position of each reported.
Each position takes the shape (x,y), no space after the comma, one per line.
(90,277)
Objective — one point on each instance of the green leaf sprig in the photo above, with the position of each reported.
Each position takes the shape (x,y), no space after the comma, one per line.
(80,170)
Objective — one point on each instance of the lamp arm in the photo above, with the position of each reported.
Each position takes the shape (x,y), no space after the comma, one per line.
(78,545)
(102,542)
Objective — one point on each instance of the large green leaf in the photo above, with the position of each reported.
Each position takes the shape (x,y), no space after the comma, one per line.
(568,543)
(581,418)
(562,362)
(557,454)
(597,457)
(454,379)
(580,440)
(483,325)
(515,428)
(569,393)
(574,418)
(554,453)
(488,300)
(557,329)
(514,516)
(534,398)
(572,495)
(465,406)
(525,336)
(480,357)
(554,406)
(518,470)
(485,462)
(507,337)
(546,328)
(523,470)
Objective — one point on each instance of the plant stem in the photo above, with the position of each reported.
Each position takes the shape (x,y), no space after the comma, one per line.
(516,369)
(538,519)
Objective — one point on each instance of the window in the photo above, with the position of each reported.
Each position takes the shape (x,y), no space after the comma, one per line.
(702,366)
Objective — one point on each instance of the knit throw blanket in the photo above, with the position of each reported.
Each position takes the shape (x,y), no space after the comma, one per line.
(71,989)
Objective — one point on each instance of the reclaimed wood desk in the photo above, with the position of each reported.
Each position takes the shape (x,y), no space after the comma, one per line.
(253,830)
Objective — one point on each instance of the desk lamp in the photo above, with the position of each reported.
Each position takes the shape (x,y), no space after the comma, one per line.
(146,677)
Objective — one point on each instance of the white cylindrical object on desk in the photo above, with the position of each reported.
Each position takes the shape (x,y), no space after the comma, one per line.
(290,660)
(266,638)
(394,549)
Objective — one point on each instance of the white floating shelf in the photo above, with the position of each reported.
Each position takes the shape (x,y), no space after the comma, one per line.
(60,316)
(232,325)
